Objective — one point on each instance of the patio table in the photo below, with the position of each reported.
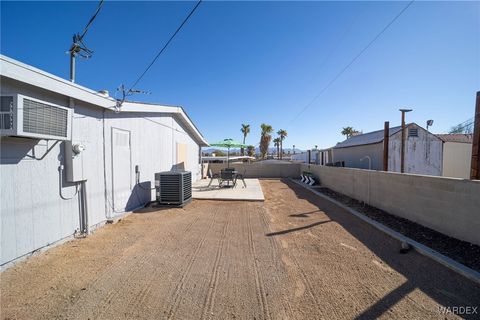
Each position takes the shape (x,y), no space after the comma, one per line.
(228,175)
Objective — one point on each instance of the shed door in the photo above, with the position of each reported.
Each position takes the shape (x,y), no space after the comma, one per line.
(121,168)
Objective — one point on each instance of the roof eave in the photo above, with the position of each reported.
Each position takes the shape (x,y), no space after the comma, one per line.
(21,72)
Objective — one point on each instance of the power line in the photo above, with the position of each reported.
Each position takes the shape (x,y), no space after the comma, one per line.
(463,127)
(339,40)
(91,19)
(78,46)
(166,45)
(466,122)
(331,82)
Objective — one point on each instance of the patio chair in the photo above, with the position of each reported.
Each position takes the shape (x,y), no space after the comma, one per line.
(213,176)
(241,176)
(227,174)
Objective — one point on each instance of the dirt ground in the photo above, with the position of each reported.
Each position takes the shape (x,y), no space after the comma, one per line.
(295,256)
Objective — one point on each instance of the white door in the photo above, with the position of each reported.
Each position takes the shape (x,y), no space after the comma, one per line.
(121,168)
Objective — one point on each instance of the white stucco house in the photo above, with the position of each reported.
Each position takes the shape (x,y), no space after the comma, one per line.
(69,161)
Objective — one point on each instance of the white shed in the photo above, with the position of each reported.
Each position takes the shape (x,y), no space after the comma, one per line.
(45,187)
(423,151)
(457,154)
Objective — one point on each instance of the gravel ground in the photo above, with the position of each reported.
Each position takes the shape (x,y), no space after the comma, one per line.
(461,251)
(296,256)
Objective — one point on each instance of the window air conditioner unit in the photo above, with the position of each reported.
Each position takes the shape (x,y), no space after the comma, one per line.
(23,116)
(173,187)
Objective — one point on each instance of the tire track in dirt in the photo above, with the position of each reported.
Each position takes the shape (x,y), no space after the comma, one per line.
(260,288)
(186,273)
(157,272)
(111,275)
(279,203)
(106,303)
(212,289)
(275,249)
(108,271)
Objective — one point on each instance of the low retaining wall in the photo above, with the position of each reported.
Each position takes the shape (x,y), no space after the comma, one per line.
(261,170)
(448,205)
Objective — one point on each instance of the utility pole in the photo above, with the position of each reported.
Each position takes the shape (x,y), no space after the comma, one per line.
(386,137)
(402,156)
(475,164)
(72,65)
(74,50)
(293,149)
(78,47)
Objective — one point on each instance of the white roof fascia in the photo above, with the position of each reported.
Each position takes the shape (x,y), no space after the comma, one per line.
(177,112)
(19,71)
(16,70)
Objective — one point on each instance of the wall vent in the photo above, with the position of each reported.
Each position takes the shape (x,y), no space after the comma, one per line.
(413,132)
(32,118)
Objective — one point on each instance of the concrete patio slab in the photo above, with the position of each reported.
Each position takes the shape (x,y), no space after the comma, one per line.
(253,191)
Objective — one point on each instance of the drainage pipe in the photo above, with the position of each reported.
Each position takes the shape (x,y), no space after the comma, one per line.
(83,210)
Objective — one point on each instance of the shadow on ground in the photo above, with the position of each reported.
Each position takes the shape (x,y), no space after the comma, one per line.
(296,229)
(446,287)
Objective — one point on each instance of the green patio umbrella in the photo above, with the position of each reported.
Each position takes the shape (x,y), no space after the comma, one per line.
(228,143)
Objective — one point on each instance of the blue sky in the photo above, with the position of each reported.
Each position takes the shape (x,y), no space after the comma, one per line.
(254,62)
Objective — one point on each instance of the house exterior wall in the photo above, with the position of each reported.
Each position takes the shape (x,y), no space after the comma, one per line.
(457,159)
(317,156)
(154,140)
(32,213)
(352,156)
(423,154)
(261,169)
(300,157)
(325,156)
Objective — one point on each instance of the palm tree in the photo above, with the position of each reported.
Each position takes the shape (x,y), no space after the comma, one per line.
(282,135)
(251,151)
(245,130)
(265,138)
(348,131)
(276,143)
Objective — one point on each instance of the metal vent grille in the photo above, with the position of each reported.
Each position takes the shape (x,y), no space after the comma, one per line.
(6,113)
(41,118)
(173,187)
(413,132)
(122,139)
(187,186)
(170,188)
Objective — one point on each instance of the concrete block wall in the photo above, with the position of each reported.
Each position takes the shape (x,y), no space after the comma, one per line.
(262,170)
(448,205)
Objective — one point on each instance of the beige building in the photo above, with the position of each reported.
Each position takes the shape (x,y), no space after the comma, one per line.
(457,155)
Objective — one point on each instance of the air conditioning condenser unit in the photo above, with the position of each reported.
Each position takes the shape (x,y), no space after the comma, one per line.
(173,187)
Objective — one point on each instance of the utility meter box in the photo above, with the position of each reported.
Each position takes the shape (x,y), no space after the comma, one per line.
(75,168)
